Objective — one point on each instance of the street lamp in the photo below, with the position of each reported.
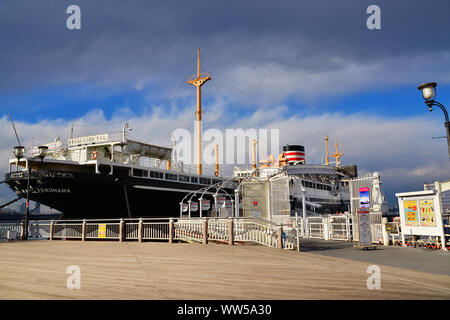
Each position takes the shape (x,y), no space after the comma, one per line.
(429,93)
(19,152)
(42,152)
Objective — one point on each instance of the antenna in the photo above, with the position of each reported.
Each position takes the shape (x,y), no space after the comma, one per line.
(71,132)
(15,131)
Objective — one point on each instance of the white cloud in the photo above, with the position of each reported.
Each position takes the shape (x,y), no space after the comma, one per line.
(401,149)
(271,83)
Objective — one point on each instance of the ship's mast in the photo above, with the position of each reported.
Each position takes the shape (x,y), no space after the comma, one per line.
(337,155)
(327,161)
(199,81)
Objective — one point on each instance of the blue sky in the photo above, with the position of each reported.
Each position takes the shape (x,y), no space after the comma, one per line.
(309,67)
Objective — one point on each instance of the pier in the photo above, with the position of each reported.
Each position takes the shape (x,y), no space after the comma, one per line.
(159,270)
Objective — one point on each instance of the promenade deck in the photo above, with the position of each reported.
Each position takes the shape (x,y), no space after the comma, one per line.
(152,270)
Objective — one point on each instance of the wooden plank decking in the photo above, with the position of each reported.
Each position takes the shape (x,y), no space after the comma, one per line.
(130,270)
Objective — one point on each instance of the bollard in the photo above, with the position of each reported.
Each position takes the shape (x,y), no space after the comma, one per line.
(121,225)
(83,231)
(22,230)
(205,231)
(52,223)
(326,228)
(230,231)
(140,229)
(384,221)
(171,231)
(280,237)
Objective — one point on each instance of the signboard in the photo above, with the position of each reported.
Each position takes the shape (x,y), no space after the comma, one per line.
(427,216)
(228,204)
(185,207)
(411,213)
(51,148)
(365,235)
(391,227)
(88,139)
(102,230)
(194,206)
(421,214)
(364,199)
(220,202)
(206,204)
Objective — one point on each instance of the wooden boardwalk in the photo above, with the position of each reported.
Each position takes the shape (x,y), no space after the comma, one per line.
(130,270)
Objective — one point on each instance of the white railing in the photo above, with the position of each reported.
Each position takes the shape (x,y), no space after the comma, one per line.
(39,230)
(4,227)
(189,230)
(218,229)
(68,230)
(156,231)
(132,230)
(376,227)
(340,228)
(102,230)
(192,230)
(255,231)
(315,227)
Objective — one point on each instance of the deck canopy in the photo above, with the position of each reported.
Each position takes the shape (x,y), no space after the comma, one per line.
(147,150)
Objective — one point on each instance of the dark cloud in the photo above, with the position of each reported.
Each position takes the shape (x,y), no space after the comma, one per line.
(150,43)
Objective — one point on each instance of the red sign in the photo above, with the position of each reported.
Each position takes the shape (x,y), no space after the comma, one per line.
(255,203)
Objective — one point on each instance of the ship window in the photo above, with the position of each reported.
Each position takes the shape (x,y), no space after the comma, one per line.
(156,174)
(205,181)
(137,172)
(145,173)
(122,172)
(194,179)
(183,178)
(171,176)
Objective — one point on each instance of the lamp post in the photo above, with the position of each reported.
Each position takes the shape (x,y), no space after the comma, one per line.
(429,93)
(19,153)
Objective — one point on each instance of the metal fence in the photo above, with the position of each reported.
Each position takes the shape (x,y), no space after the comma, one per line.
(339,227)
(188,230)
(315,227)
(248,229)
(4,227)
(218,229)
(132,230)
(67,230)
(376,226)
(251,230)
(39,230)
(155,231)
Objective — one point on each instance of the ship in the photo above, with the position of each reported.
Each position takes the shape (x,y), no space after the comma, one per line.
(278,189)
(110,175)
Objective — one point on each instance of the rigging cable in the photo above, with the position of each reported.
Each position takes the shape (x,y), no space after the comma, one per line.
(8,203)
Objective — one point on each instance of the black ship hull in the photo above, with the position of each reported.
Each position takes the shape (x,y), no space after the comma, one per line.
(84,195)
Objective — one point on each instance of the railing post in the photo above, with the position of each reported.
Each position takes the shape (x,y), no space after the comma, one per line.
(52,223)
(280,237)
(83,231)
(205,231)
(230,231)
(171,231)
(121,225)
(140,229)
